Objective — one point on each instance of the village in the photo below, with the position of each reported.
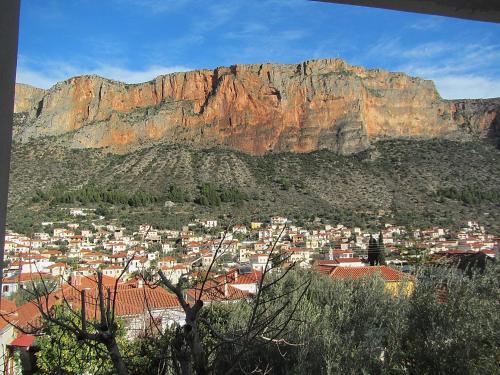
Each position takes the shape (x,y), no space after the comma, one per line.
(66,257)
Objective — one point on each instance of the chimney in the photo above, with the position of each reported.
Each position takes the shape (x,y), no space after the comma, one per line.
(235,274)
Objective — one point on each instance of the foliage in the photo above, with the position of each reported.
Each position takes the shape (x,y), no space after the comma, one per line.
(448,325)
(373,251)
(61,352)
(469,195)
(209,195)
(177,194)
(381,249)
(151,352)
(95,194)
(357,327)
(33,289)
(393,181)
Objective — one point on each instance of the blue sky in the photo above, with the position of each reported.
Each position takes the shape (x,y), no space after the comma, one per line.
(137,40)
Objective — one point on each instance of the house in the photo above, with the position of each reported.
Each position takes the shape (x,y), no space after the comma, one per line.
(77,212)
(57,270)
(119,258)
(244,278)
(348,262)
(278,220)
(259,261)
(7,332)
(260,246)
(215,290)
(255,225)
(193,247)
(166,261)
(209,223)
(395,280)
(112,271)
(176,272)
(136,305)
(340,254)
(299,254)
(240,228)
(11,285)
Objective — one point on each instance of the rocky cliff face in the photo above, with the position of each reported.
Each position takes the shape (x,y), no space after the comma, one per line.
(26,97)
(322,104)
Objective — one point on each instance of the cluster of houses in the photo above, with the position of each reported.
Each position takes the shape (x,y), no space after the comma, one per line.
(70,254)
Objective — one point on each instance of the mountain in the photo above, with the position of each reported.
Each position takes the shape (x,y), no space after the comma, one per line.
(256,109)
(316,139)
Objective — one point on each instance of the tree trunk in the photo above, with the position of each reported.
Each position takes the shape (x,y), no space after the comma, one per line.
(198,352)
(116,357)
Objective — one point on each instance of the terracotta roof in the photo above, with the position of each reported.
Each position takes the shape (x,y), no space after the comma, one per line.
(87,282)
(347,260)
(130,300)
(8,312)
(55,265)
(340,251)
(29,316)
(23,341)
(253,277)
(323,269)
(7,305)
(488,251)
(25,276)
(329,263)
(387,273)
(214,291)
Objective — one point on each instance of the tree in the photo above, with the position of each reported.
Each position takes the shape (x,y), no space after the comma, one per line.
(33,289)
(381,249)
(62,352)
(267,320)
(100,331)
(372,251)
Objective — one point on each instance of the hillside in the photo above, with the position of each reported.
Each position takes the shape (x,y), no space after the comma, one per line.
(398,181)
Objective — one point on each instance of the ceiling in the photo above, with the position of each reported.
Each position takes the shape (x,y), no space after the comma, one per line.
(479,10)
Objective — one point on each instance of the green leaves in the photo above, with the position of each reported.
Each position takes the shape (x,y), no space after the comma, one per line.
(213,197)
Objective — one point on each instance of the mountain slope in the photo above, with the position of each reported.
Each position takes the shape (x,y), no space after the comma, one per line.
(393,181)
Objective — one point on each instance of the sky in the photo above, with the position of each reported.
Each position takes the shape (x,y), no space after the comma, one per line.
(136,40)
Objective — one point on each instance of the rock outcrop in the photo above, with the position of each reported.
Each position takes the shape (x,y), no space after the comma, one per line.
(320,104)
(27,97)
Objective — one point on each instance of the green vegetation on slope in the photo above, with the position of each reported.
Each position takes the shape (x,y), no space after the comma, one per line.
(403,182)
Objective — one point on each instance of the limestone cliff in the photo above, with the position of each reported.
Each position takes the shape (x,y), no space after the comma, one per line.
(26,97)
(320,104)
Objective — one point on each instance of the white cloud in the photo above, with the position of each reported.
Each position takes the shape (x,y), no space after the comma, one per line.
(158,6)
(427,23)
(460,70)
(467,87)
(426,50)
(53,72)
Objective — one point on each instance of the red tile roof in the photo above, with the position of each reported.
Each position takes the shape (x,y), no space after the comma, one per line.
(7,310)
(216,290)
(26,276)
(347,260)
(235,277)
(129,300)
(387,273)
(23,341)
(6,305)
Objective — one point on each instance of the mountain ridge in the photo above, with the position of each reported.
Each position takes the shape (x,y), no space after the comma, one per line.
(254,108)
